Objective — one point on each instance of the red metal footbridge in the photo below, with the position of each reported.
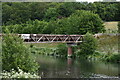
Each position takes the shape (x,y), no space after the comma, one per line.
(50,38)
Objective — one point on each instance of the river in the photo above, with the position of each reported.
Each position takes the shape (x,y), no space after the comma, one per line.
(51,67)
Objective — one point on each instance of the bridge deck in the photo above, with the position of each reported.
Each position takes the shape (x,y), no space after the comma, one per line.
(48,38)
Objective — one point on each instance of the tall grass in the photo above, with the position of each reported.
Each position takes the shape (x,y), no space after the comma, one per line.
(111,27)
(108,44)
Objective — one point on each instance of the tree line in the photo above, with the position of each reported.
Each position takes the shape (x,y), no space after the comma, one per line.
(21,12)
(58,18)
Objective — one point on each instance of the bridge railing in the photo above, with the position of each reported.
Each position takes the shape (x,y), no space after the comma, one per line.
(39,38)
(51,38)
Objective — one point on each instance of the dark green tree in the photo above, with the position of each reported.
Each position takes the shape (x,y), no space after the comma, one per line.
(88,46)
(51,14)
(80,22)
(15,54)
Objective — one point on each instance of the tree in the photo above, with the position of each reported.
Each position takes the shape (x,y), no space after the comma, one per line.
(89,45)
(51,14)
(66,9)
(119,27)
(50,28)
(80,22)
(15,13)
(15,54)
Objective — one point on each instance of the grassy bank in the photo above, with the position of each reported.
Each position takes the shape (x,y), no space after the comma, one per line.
(111,27)
(107,48)
(43,45)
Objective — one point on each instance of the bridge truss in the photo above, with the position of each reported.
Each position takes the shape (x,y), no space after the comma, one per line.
(40,38)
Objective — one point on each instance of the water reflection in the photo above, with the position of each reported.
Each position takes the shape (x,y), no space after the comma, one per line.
(51,67)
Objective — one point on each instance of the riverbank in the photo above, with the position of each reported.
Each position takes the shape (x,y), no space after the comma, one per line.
(107,49)
(54,67)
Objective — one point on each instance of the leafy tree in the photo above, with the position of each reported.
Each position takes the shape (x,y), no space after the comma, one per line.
(66,9)
(88,46)
(15,13)
(107,11)
(38,26)
(62,49)
(38,10)
(50,28)
(119,27)
(51,14)
(33,27)
(15,54)
(80,22)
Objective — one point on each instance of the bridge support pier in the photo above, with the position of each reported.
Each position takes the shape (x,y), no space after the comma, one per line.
(69,51)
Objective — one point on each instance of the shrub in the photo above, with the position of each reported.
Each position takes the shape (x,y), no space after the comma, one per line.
(80,22)
(62,50)
(111,58)
(15,54)
(88,45)
(19,74)
(119,27)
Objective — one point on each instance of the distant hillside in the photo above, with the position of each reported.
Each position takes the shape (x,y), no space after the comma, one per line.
(111,25)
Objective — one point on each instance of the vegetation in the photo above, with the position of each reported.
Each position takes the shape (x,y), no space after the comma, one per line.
(105,48)
(19,12)
(18,74)
(55,18)
(88,46)
(62,50)
(119,27)
(15,54)
(81,21)
(111,27)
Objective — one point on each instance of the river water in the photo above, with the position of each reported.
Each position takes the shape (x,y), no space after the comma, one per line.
(51,67)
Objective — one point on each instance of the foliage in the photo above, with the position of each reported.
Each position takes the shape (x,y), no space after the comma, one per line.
(88,46)
(17,13)
(50,28)
(107,11)
(80,22)
(66,9)
(108,43)
(36,27)
(51,14)
(19,74)
(110,57)
(15,54)
(62,49)
(119,27)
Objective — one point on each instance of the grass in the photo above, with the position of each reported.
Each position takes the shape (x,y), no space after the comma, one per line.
(111,27)
(44,45)
(108,44)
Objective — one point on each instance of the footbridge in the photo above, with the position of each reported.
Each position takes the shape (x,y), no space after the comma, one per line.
(70,40)
(51,38)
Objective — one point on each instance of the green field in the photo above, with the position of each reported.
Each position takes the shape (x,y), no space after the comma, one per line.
(106,43)
(44,45)
(111,26)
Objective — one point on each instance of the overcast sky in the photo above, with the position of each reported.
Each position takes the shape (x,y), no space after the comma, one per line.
(90,0)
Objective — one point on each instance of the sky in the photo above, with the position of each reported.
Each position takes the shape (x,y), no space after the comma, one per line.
(90,0)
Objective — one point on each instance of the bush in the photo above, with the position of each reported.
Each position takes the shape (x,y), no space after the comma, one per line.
(15,54)
(88,46)
(62,50)
(19,74)
(119,27)
(80,22)
(111,57)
